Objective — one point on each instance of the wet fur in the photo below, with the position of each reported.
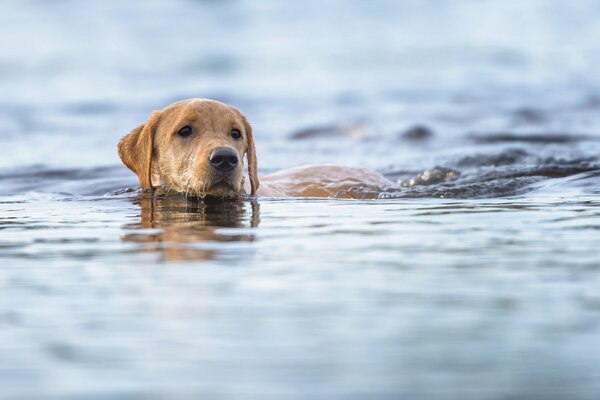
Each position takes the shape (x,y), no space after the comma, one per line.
(168,163)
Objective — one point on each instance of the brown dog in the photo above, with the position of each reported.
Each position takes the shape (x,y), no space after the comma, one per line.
(197,147)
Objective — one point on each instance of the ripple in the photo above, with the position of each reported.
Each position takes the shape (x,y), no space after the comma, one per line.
(533,138)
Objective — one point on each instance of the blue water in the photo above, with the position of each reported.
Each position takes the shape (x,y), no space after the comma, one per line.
(481,286)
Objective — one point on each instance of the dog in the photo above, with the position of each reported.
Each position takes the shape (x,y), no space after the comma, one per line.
(196,147)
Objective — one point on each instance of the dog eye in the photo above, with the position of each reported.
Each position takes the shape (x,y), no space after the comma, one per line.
(235,133)
(185,131)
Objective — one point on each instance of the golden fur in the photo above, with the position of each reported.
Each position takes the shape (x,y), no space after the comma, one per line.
(167,162)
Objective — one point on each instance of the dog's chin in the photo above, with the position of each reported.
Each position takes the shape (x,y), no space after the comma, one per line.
(222,189)
(218,188)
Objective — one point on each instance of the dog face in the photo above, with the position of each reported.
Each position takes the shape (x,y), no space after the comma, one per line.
(193,146)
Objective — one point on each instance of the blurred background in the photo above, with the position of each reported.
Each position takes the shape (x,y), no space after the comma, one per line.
(75,76)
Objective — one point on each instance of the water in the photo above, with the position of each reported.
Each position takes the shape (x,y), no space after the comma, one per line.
(477,280)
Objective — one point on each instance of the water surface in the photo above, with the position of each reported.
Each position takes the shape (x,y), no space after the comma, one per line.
(475,284)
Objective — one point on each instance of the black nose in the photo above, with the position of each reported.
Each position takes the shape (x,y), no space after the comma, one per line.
(223,158)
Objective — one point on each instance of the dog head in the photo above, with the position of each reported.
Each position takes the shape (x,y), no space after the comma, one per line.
(194,146)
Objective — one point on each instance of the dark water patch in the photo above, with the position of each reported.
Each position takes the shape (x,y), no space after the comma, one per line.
(10,318)
(584,227)
(12,245)
(551,169)
(78,181)
(353,130)
(65,240)
(506,157)
(590,102)
(11,224)
(41,172)
(71,353)
(527,115)
(417,133)
(533,138)
(57,253)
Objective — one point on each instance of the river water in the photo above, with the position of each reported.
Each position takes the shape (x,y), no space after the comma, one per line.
(477,279)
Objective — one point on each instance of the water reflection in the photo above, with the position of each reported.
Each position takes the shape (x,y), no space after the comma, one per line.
(190,228)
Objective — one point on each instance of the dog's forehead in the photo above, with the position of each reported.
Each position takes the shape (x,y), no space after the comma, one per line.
(199,110)
(203,115)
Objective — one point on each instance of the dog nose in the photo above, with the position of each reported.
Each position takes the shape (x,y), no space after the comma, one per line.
(223,159)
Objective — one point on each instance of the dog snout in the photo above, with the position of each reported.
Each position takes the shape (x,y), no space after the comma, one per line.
(223,159)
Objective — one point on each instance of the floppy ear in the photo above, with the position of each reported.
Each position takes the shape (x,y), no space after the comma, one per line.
(251,154)
(135,150)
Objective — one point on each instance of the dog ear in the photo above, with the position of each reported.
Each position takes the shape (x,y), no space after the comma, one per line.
(135,150)
(251,154)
